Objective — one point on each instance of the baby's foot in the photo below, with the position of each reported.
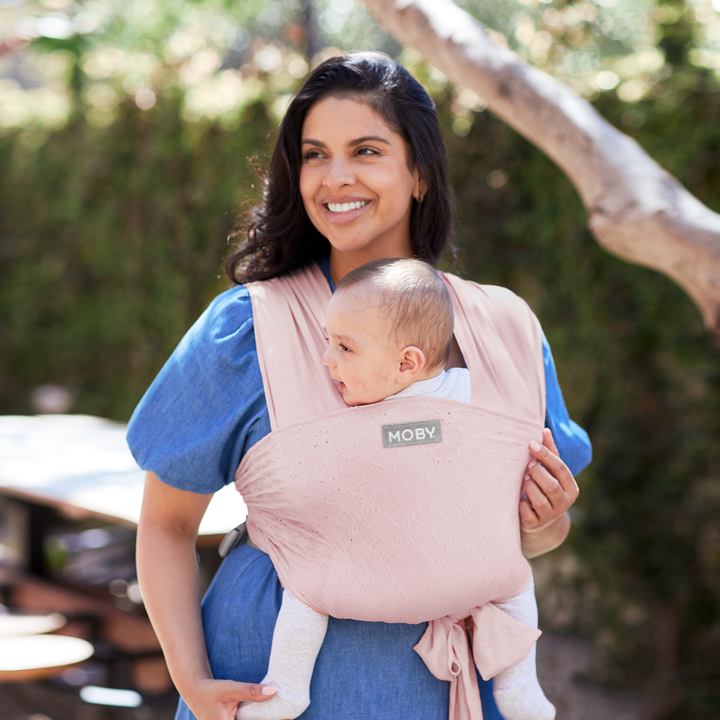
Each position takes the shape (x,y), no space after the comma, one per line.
(524,702)
(277,708)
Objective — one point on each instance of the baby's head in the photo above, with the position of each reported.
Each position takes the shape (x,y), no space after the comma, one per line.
(389,324)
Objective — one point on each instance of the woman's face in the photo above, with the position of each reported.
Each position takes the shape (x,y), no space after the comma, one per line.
(355,183)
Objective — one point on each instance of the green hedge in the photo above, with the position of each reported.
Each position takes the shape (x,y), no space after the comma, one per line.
(112,241)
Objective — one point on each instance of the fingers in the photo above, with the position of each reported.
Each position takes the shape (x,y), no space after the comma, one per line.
(550,488)
(229,691)
(529,519)
(213,699)
(556,471)
(545,502)
(549,441)
(256,693)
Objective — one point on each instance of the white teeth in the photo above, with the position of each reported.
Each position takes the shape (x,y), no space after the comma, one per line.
(345,207)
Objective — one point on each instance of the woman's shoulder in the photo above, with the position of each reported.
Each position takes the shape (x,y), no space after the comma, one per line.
(226,313)
(224,329)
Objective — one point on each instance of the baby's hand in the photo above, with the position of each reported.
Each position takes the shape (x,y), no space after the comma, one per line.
(549,490)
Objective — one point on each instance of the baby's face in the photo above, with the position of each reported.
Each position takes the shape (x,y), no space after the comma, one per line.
(361,356)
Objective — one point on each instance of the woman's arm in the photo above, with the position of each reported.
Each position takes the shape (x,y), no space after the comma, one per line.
(168,574)
(551,490)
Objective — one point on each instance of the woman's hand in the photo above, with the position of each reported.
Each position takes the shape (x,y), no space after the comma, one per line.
(219,699)
(550,489)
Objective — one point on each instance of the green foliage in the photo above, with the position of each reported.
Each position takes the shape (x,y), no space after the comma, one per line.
(110,247)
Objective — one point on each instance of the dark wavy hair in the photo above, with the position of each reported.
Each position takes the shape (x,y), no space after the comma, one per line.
(280,237)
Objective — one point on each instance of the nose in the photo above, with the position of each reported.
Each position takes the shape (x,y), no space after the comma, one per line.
(327,359)
(339,174)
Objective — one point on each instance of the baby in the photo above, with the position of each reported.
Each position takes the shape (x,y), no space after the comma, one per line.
(389,327)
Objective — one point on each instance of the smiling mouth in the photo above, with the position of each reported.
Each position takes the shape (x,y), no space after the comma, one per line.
(346,207)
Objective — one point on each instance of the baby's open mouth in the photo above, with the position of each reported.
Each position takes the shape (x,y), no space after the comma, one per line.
(346,207)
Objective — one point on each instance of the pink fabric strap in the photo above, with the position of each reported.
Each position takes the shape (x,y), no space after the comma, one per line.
(501,342)
(289,320)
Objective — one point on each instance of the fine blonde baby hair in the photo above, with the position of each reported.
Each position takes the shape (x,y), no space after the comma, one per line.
(416,300)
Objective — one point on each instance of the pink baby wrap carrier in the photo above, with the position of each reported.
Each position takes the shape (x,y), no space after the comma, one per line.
(409,533)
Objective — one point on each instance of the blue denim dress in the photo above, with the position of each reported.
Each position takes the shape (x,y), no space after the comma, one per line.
(200,416)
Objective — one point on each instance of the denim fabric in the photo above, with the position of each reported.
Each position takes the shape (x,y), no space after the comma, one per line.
(365,671)
(572,441)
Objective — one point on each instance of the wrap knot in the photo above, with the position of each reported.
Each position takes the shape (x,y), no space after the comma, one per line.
(498,642)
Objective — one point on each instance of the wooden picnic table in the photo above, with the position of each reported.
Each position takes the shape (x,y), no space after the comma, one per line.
(78,469)
(81,465)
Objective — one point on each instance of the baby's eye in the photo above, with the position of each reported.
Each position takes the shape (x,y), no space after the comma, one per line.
(344,348)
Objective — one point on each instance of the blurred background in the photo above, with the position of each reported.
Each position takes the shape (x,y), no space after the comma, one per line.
(129,132)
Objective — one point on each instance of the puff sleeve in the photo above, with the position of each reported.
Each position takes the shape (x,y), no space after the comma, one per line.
(206,407)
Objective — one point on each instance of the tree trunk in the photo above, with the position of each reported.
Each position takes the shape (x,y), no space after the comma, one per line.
(635,208)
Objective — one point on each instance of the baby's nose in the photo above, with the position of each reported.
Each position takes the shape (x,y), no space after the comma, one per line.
(327,359)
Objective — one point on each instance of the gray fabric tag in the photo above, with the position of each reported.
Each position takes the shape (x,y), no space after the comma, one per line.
(412,433)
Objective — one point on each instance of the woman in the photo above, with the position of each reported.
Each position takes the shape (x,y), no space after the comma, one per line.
(358,173)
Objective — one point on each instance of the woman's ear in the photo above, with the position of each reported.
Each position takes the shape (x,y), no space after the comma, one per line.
(412,363)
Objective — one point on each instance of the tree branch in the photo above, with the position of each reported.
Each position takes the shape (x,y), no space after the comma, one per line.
(635,208)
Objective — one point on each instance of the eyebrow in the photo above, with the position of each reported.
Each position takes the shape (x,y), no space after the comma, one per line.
(344,339)
(352,143)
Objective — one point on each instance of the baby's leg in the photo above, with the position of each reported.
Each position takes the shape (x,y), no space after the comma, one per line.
(297,639)
(517,692)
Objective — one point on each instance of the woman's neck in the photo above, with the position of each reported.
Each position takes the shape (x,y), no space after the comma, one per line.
(342,262)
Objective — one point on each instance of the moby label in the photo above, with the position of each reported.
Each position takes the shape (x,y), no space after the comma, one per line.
(412,433)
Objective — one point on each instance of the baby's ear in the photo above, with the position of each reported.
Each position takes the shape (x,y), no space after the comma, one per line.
(412,363)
